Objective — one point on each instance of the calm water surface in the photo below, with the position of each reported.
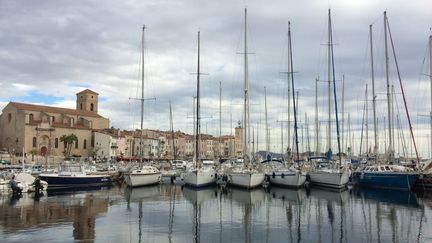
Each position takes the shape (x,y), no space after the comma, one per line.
(170,213)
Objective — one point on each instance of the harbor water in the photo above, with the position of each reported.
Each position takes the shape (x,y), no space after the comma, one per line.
(173,213)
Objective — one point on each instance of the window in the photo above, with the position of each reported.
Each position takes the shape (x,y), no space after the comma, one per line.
(91,106)
(9,117)
(53,118)
(56,143)
(31,117)
(85,144)
(80,106)
(34,142)
(76,144)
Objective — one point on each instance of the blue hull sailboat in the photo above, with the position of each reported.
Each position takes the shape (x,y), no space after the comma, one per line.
(385,176)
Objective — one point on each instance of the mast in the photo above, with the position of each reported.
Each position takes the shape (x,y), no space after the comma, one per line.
(282,147)
(293,90)
(198,126)
(142,98)
(172,132)
(334,92)
(329,82)
(288,94)
(349,135)
(266,122)
(316,119)
(366,122)
(307,135)
(403,95)
(194,123)
(220,119)
(389,115)
(375,149)
(343,112)
(430,77)
(246,133)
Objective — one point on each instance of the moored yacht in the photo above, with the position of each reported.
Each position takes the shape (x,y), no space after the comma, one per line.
(286,176)
(386,176)
(146,175)
(197,174)
(73,175)
(330,177)
(245,176)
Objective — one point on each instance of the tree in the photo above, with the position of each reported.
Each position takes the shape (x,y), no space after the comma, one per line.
(33,152)
(68,141)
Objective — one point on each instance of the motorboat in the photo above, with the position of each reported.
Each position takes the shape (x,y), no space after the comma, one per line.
(73,175)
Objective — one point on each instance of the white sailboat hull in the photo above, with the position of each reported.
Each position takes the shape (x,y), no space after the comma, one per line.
(287,178)
(142,179)
(246,179)
(200,177)
(332,179)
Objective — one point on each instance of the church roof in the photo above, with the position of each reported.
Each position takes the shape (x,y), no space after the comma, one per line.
(51,109)
(87,91)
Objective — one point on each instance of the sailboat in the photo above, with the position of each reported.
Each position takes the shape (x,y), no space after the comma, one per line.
(198,175)
(146,175)
(388,175)
(245,176)
(280,174)
(338,176)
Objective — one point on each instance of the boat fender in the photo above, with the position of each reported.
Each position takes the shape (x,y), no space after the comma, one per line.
(362,175)
(283,175)
(216,176)
(273,175)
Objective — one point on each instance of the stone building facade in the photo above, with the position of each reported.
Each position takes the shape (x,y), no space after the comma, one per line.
(37,129)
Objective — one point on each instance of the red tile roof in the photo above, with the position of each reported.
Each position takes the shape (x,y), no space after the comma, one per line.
(51,109)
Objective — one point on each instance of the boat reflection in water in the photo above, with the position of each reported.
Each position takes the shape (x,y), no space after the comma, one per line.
(403,198)
(287,195)
(135,194)
(77,210)
(170,213)
(197,197)
(82,189)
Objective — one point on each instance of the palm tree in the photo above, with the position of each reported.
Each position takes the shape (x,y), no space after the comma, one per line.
(68,141)
(33,152)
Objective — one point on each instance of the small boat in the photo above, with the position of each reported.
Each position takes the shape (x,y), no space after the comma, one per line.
(334,178)
(73,175)
(282,175)
(245,177)
(28,182)
(386,176)
(200,177)
(147,175)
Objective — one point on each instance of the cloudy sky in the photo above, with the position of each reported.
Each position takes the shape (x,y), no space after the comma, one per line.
(50,50)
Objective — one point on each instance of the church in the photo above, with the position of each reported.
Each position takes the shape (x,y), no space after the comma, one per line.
(37,129)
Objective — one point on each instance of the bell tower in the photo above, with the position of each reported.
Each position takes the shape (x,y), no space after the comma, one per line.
(87,100)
